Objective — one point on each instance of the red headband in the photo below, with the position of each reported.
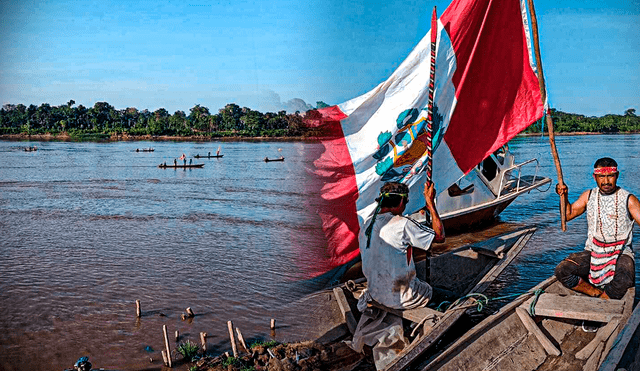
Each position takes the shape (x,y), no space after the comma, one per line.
(605,170)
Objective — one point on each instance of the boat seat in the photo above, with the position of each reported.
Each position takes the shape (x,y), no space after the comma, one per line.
(417,315)
(578,307)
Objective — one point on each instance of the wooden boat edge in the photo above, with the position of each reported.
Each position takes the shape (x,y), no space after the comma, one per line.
(621,342)
(419,347)
(495,320)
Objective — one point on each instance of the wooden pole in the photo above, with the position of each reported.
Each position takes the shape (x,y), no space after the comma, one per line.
(543,93)
(234,346)
(203,340)
(166,344)
(241,339)
(432,84)
(138,310)
(177,335)
(190,312)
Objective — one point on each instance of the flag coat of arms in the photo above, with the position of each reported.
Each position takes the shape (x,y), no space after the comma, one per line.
(486,92)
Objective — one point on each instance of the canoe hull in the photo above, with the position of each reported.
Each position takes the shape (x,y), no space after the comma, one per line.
(476,264)
(161,166)
(503,341)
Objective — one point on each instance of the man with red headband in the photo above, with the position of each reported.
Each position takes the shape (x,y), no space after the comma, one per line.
(606,268)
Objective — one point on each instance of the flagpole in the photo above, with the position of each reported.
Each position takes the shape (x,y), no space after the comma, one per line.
(432,79)
(543,93)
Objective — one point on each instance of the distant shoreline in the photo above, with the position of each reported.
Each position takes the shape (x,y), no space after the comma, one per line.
(64,137)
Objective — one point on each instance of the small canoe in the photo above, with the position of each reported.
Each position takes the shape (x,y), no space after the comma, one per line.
(208,156)
(267,159)
(145,149)
(163,166)
(547,331)
(471,268)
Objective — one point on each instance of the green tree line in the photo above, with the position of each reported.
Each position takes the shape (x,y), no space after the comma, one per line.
(573,123)
(103,118)
(232,120)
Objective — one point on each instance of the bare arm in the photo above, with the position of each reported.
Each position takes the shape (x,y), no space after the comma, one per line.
(634,208)
(575,209)
(436,223)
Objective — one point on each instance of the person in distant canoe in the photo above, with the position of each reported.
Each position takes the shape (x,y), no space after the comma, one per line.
(386,249)
(606,267)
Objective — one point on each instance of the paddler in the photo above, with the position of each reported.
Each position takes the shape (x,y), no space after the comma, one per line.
(606,267)
(386,248)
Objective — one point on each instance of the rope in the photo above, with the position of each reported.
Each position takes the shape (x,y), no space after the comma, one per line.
(532,307)
(369,229)
(482,300)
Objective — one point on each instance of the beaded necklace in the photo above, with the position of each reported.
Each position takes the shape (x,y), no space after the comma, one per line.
(600,219)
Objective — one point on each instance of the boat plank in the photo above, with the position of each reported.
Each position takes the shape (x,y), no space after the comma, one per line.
(513,340)
(622,339)
(416,315)
(531,326)
(602,335)
(527,356)
(592,362)
(349,318)
(577,307)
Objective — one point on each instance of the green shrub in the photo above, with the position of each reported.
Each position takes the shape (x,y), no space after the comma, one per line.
(188,349)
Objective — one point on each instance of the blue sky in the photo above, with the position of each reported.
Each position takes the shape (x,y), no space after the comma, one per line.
(266,55)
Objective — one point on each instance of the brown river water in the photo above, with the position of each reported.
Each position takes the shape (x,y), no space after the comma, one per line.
(86,229)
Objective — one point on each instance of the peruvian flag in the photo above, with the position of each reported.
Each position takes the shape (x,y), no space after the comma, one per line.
(486,92)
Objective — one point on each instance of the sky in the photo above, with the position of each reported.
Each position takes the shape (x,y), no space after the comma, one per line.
(277,55)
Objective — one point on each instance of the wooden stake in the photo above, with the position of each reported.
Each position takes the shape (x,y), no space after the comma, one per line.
(273,324)
(543,93)
(203,340)
(177,335)
(190,312)
(166,344)
(138,310)
(164,357)
(234,346)
(241,339)
(533,329)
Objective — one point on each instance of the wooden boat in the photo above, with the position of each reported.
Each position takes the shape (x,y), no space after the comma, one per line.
(208,156)
(476,199)
(145,149)
(267,159)
(31,149)
(553,338)
(332,313)
(165,166)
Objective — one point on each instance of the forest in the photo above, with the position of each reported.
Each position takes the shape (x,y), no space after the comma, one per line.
(230,121)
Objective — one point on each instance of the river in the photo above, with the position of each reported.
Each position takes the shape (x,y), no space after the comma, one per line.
(86,229)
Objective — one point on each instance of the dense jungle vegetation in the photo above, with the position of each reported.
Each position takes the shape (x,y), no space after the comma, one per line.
(574,123)
(230,121)
(104,119)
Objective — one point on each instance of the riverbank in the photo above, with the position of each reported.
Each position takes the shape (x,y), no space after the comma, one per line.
(65,137)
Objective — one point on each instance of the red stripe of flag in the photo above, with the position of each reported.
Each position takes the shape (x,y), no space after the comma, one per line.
(498,93)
